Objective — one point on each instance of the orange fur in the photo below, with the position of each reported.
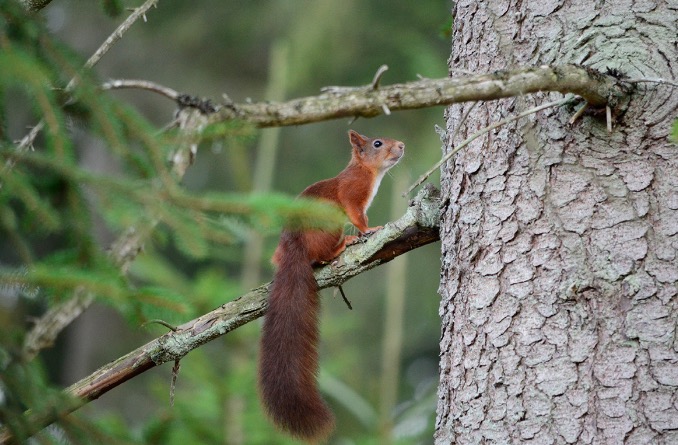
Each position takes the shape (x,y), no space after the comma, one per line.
(289,345)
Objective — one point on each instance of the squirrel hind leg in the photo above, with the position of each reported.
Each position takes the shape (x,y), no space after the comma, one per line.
(323,247)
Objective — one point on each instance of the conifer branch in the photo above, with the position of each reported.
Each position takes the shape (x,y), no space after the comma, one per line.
(123,251)
(48,327)
(137,13)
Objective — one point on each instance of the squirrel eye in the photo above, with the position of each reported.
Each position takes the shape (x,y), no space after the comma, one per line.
(377,143)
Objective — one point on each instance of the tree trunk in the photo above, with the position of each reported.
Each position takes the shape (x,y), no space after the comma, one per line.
(559,241)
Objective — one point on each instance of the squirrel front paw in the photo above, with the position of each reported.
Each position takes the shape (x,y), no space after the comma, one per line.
(355,239)
(371,230)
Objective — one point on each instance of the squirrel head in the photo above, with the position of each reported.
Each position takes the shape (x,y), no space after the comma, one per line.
(376,153)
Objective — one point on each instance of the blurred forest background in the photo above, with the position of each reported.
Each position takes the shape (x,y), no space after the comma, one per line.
(379,362)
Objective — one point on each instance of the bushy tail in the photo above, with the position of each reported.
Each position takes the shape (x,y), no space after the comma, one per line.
(289,347)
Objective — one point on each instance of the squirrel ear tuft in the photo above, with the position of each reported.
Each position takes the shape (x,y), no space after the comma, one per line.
(357,140)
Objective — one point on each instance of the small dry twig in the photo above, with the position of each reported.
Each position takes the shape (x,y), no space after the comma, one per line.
(378,75)
(173,384)
(117,84)
(160,322)
(652,80)
(579,112)
(343,295)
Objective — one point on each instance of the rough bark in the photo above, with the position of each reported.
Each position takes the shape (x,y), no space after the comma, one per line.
(559,241)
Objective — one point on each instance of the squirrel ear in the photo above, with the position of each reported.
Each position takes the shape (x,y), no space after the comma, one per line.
(357,140)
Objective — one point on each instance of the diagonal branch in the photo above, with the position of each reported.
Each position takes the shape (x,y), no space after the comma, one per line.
(418,227)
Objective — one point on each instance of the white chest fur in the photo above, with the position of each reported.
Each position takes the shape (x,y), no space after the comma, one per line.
(377,182)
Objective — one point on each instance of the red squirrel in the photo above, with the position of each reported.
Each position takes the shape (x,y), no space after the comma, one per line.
(288,361)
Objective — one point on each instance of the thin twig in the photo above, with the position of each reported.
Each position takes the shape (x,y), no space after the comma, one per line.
(378,75)
(343,295)
(652,80)
(463,119)
(485,130)
(160,322)
(113,38)
(579,112)
(444,139)
(24,144)
(118,84)
(173,384)
(27,141)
